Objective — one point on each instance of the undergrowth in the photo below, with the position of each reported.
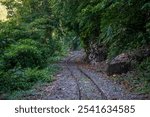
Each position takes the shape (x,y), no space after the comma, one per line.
(19,82)
(137,80)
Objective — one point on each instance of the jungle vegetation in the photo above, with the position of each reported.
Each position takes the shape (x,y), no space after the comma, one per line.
(37,32)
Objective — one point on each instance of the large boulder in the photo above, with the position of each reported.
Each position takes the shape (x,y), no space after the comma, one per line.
(120,64)
(124,62)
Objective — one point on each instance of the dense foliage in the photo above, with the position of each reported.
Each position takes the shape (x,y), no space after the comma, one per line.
(120,24)
(27,41)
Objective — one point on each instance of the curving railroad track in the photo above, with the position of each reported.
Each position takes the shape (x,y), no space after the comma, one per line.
(78,83)
(71,66)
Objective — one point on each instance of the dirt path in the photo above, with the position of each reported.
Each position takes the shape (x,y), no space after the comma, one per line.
(75,82)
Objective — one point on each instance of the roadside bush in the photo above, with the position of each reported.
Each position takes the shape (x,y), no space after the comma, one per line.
(139,79)
(23,54)
(34,75)
(22,79)
(144,70)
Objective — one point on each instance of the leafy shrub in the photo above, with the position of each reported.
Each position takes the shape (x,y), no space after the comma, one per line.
(144,69)
(22,79)
(34,75)
(23,53)
(13,80)
(141,78)
(138,80)
(28,42)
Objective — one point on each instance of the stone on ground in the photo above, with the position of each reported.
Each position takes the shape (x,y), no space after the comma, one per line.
(120,64)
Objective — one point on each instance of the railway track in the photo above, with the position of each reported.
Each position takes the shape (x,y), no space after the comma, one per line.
(78,83)
(94,83)
(74,77)
(69,65)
